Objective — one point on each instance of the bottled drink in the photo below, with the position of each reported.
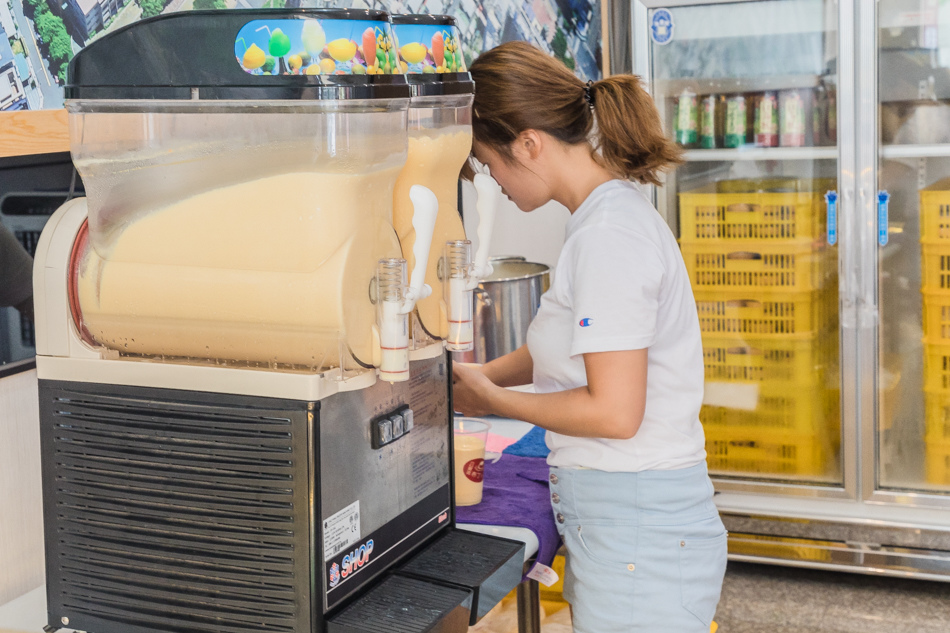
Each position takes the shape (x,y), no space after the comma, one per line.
(711,122)
(736,121)
(792,118)
(766,120)
(685,119)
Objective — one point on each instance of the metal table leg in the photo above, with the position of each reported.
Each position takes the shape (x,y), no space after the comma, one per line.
(529,607)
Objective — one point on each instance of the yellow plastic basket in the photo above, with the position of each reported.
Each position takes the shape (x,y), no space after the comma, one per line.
(935,212)
(937,462)
(798,359)
(729,312)
(937,437)
(780,410)
(763,209)
(764,452)
(936,368)
(761,267)
(935,266)
(937,416)
(937,317)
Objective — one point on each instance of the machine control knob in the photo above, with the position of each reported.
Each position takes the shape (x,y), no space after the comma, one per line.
(398,424)
(385,431)
(391,426)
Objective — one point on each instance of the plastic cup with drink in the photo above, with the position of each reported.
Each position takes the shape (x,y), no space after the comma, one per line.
(470,438)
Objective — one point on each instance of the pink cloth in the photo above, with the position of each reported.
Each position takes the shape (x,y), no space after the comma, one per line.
(498,443)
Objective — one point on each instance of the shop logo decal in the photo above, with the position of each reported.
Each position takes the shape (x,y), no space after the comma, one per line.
(334,575)
(355,560)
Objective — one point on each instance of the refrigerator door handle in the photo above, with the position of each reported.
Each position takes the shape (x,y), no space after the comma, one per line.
(882,200)
(831,205)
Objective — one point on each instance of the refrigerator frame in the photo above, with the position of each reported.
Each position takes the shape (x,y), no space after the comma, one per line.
(857,525)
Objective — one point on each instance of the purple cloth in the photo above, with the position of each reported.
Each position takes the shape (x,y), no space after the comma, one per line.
(515,494)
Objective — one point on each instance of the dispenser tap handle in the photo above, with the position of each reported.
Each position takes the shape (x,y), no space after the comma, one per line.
(486,205)
(425,209)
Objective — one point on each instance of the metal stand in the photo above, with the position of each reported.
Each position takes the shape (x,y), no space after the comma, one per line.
(529,607)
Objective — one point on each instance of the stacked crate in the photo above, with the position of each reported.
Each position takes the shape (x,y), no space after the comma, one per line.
(935,269)
(765,285)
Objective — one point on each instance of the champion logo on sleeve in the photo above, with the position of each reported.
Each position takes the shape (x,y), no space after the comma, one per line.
(586,322)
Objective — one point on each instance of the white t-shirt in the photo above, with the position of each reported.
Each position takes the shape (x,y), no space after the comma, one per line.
(621,284)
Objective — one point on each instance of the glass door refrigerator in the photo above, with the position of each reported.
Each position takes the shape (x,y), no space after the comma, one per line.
(813,216)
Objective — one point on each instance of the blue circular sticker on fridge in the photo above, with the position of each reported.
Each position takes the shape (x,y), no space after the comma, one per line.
(661,26)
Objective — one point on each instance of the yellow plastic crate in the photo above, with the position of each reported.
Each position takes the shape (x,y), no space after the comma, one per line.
(937,462)
(935,266)
(780,410)
(728,312)
(937,437)
(761,267)
(763,209)
(936,368)
(935,212)
(798,359)
(937,317)
(765,452)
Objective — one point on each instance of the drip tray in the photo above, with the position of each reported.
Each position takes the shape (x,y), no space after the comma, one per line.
(406,605)
(489,566)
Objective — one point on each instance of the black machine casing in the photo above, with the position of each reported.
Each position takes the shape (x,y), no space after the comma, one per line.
(186,511)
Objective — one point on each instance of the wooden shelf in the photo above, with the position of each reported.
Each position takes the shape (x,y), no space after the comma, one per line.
(33,132)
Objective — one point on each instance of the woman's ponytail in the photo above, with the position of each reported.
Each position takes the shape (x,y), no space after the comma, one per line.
(518,87)
(629,138)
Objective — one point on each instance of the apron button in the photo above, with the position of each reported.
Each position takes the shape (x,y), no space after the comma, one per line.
(556,498)
(631,566)
(560,518)
(553,478)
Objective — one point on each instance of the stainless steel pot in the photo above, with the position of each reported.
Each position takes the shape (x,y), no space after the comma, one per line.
(505,303)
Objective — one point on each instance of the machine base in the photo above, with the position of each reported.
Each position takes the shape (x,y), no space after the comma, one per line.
(489,566)
(418,606)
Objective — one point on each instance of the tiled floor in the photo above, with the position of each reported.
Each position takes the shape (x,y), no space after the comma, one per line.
(755,599)
(769,599)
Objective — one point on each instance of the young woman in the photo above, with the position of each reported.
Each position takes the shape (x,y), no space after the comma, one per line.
(614,352)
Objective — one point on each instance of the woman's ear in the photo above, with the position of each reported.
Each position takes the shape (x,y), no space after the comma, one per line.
(529,144)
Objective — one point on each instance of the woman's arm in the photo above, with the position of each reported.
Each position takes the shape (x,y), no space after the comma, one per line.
(610,406)
(511,370)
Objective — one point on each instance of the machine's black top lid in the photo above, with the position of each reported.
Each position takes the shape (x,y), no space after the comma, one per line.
(431,48)
(424,18)
(244,54)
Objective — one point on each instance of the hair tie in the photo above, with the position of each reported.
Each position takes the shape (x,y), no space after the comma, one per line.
(587,95)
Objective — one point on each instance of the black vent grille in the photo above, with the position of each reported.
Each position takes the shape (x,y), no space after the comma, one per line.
(170,515)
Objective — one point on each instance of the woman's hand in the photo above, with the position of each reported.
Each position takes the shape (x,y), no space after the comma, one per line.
(471,390)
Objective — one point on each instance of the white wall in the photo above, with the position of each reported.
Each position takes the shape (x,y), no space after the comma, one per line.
(537,236)
(21,501)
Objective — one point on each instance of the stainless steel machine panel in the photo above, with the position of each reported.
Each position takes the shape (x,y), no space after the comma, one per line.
(377,503)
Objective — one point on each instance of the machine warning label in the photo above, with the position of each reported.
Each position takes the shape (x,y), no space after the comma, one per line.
(341,530)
